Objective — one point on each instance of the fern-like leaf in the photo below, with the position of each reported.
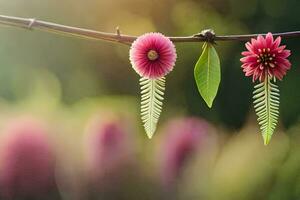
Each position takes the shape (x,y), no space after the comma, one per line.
(266,105)
(152,91)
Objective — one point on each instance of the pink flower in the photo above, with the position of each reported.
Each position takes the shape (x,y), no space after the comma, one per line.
(109,149)
(265,57)
(27,162)
(152,55)
(110,157)
(183,139)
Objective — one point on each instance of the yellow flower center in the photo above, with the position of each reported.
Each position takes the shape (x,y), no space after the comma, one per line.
(152,55)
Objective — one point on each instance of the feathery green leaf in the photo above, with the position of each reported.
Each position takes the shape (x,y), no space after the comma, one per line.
(152,91)
(266,105)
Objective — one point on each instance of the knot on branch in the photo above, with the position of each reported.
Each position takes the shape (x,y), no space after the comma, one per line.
(31,23)
(208,35)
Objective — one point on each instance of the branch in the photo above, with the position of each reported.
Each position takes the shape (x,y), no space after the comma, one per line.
(206,35)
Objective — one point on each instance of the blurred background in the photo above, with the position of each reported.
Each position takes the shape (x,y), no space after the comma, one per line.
(69,107)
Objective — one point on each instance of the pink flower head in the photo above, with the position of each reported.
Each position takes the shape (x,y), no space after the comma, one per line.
(265,57)
(28,163)
(110,157)
(183,139)
(152,55)
(109,149)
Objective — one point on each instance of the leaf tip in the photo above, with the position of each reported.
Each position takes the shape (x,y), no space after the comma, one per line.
(267,139)
(209,103)
(150,134)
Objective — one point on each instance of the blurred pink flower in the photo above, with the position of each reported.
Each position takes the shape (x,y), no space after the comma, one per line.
(112,169)
(108,149)
(265,57)
(28,163)
(182,140)
(152,55)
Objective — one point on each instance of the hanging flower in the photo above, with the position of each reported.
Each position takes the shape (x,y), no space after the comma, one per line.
(266,61)
(265,57)
(152,55)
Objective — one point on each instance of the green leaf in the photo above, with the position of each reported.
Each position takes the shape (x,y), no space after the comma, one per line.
(208,74)
(266,105)
(152,91)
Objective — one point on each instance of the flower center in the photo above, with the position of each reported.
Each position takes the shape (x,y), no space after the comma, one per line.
(266,58)
(152,55)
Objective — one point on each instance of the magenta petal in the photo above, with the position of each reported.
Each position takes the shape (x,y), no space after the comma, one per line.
(269,40)
(276,42)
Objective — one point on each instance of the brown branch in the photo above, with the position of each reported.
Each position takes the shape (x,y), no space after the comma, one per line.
(206,35)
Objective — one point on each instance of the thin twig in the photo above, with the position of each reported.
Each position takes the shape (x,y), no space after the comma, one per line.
(29,23)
